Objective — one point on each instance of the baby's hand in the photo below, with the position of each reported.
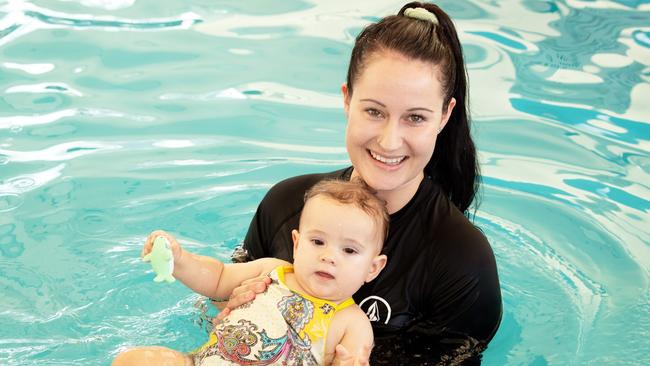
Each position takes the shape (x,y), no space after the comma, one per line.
(176,249)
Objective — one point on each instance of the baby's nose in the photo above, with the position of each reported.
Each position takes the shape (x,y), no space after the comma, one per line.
(327,256)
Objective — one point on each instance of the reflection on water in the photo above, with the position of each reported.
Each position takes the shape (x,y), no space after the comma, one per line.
(117,118)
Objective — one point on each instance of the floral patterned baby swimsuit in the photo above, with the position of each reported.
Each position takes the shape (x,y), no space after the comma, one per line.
(253,334)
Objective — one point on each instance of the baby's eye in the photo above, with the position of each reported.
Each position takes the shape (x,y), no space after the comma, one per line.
(416,118)
(317,242)
(349,251)
(374,113)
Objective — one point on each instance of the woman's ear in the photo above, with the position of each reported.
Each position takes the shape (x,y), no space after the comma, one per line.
(378,263)
(445,117)
(346,98)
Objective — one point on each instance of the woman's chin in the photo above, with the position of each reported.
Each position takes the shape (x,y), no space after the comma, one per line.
(382,182)
(389,181)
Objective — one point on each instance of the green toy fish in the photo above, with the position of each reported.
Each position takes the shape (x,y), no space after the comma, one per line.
(162,260)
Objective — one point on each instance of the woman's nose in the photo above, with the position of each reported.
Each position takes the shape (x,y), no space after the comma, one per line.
(389,138)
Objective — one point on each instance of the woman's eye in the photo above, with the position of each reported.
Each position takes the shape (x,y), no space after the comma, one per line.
(374,113)
(416,118)
(317,242)
(349,251)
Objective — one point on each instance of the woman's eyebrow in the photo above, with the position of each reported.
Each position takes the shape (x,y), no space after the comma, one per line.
(383,105)
(372,100)
(419,109)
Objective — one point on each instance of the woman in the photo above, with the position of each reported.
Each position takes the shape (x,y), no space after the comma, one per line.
(438,300)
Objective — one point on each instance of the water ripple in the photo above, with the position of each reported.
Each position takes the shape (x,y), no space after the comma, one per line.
(8,30)
(183,21)
(18,121)
(266,91)
(22,11)
(34,69)
(60,152)
(324,20)
(642,38)
(629,132)
(509,41)
(295,147)
(24,18)
(540,260)
(94,223)
(44,88)
(10,201)
(21,183)
(9,122)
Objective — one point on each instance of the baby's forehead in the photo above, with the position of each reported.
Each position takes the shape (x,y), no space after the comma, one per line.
(314,203)
(320,201)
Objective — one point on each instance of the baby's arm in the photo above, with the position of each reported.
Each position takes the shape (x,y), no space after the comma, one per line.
(212,278)
(351,329)
(209,276)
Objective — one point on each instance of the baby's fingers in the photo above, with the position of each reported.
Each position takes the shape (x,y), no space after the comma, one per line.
(148,243)
(146,248)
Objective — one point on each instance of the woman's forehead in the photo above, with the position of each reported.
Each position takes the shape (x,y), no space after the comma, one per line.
(386,72)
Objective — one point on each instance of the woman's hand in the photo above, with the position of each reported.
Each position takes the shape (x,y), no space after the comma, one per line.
(177,251)
(243,294)
(342,357)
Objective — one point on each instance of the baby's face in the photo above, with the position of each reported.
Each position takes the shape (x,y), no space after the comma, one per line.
(337,249)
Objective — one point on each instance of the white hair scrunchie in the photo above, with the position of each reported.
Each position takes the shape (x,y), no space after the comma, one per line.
(422,14)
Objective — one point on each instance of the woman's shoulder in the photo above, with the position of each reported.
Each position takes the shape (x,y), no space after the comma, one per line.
(450,231)
(463,236)
(293,189)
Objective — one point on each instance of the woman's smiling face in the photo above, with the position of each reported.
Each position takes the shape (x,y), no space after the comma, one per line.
(394,115)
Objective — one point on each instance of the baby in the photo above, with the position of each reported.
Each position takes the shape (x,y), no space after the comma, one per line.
(308,309)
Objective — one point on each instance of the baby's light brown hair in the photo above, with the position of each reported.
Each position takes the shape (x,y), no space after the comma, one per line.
(357,193)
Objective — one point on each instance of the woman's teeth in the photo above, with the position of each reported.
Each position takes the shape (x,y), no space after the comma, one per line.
(389,161)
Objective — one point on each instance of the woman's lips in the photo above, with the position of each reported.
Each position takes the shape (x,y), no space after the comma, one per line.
(395,163)
(391,161)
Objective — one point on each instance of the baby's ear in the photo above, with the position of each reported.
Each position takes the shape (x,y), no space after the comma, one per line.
(378,263)
(295,236)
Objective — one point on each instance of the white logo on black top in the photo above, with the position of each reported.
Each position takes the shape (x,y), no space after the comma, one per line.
(376,308)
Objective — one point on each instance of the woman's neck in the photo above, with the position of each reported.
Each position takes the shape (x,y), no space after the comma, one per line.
(397,198)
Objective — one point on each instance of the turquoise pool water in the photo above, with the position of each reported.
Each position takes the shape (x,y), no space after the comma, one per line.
(120,117)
